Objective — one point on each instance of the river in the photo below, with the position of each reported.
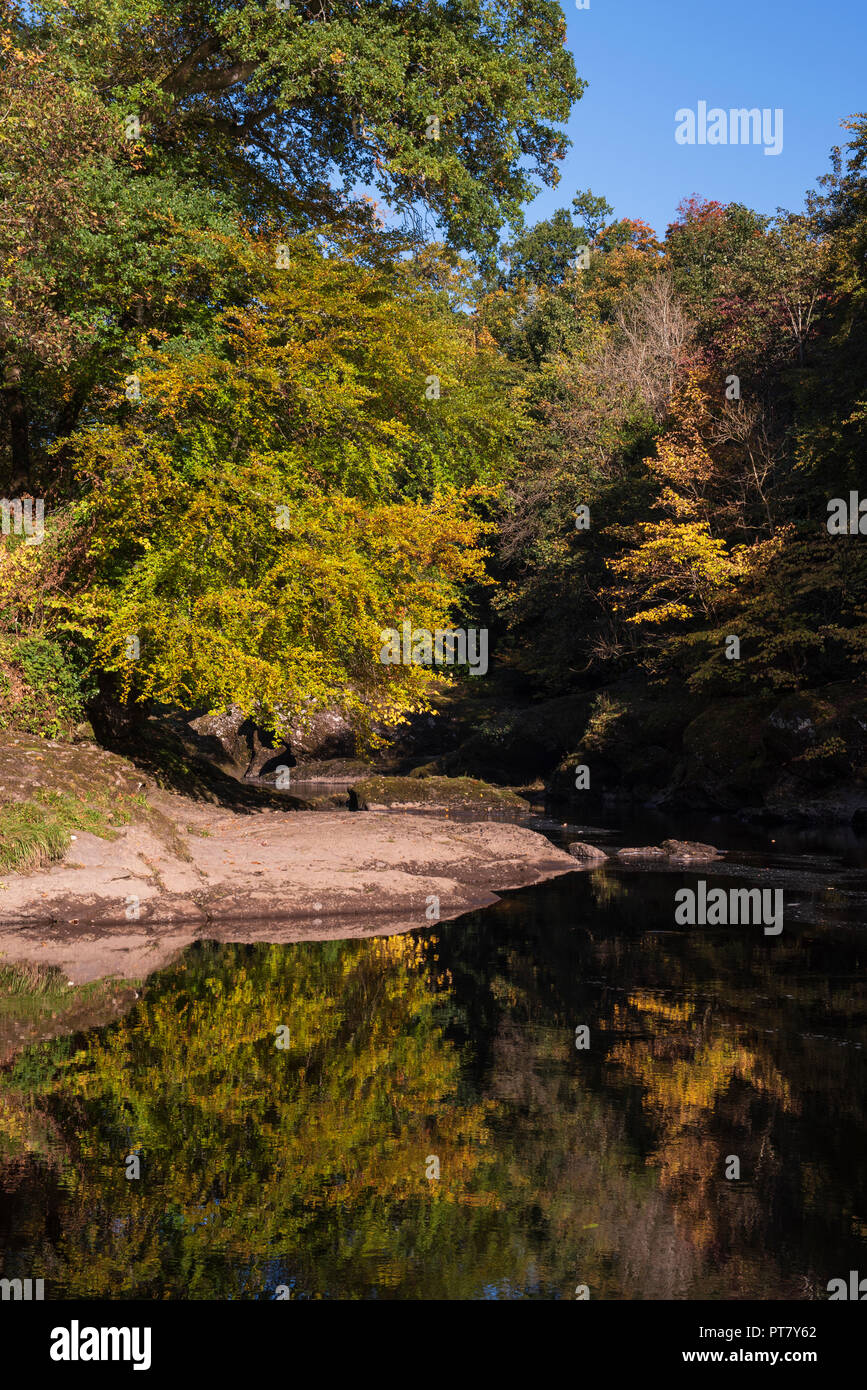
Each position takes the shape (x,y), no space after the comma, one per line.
(410,1117)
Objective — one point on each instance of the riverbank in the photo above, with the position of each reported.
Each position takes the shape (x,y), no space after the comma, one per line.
(127,897)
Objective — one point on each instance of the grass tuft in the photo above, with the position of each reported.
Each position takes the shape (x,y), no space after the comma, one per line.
(27,978)
(36,832)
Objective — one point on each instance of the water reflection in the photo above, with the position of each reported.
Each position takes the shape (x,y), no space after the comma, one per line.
(307,1166)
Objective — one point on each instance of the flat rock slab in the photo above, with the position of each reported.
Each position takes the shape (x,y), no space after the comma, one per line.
(126,907)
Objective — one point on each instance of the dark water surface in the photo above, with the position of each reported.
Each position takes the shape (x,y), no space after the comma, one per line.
(309,1167)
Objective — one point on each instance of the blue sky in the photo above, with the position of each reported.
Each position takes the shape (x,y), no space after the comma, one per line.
(643,60)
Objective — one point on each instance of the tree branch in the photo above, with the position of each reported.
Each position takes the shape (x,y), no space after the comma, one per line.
(185,80)
(180,75)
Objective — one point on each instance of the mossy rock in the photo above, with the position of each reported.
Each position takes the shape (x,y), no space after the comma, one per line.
(49,788)
(630,742)
(338,770)
(458,792)
(425,770)
(821,736)
(792,727)
(725,750)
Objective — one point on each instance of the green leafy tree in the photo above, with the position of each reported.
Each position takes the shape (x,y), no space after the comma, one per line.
(297,108)
(276,500)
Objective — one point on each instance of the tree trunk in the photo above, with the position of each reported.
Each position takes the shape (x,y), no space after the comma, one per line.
(15,406)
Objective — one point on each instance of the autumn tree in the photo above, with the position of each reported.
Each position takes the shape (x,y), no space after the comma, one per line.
(281,494)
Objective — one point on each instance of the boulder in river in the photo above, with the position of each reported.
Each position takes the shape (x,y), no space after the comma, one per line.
(579,849)
(689,849)
(682,851)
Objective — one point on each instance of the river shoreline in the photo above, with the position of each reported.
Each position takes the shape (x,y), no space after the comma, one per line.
(125,905)
(138,870)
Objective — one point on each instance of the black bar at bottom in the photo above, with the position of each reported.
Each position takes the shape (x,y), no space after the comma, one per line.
(57,1340)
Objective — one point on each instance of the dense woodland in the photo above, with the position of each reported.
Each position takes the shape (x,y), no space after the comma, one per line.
(288,371)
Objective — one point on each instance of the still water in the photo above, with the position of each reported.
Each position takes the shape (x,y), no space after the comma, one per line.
(312,1167)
